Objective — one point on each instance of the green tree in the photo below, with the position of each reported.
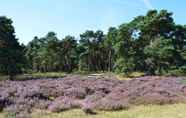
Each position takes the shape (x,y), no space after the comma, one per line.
(160,56)
(124,49)
(68,54)
(152,43)
(92,57)
(11,53)
(109,42)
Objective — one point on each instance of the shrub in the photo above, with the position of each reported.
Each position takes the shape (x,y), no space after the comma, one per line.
(177,71)
(62,104)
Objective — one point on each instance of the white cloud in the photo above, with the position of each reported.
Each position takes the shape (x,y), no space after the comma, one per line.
(148,4)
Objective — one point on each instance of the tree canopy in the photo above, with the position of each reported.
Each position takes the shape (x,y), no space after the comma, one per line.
(11,52)
(152,43)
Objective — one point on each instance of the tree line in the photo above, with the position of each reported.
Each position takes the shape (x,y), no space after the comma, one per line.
(151,43)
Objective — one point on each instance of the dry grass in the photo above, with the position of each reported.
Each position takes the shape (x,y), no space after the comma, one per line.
(49,75)
(130,76)
(150,111)
(35,76)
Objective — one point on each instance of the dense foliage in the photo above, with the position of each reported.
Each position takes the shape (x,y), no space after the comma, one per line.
(11,53)
(152,43)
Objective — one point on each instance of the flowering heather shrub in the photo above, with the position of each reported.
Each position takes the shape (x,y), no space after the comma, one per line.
(62,104)
(110,105)
(114,101)
(92,101)
(42,104)
(18,111)
(2,105)
(77,92)
(4,100)
(21,97)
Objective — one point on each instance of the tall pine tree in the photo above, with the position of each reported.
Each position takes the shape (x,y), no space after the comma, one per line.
(11,54)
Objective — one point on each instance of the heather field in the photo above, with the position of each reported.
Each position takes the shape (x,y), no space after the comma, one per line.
(92,59)
(94,96)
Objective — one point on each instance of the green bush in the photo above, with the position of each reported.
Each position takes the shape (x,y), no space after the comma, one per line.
(177,72)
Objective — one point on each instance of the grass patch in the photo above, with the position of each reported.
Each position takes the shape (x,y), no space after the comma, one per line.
(4,77)
(150,111)
(49,75)
(62,74)
(35,76)
(121,77)
(90,72)
(136,74)
(130,75)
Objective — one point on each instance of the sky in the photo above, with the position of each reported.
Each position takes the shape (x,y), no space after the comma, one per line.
(72,17)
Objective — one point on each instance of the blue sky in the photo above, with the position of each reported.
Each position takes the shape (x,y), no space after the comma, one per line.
(72,17)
